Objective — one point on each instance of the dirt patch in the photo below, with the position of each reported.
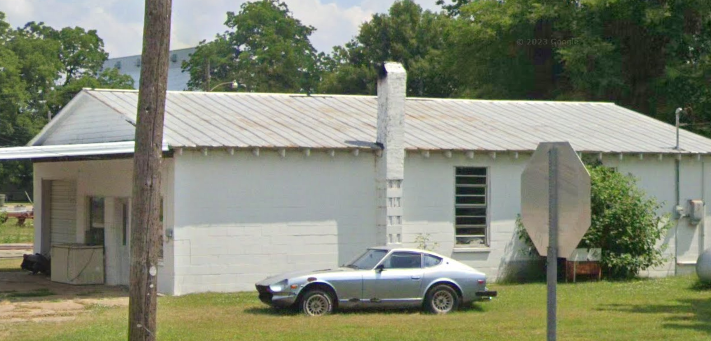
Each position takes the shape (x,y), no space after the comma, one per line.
(25,297)
(106,302)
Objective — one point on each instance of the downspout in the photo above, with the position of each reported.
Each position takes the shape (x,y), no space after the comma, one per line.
(679,215)
(677,208)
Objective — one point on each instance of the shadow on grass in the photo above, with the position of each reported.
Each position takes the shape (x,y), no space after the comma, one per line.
(359,310)
(701,286)
(694,314)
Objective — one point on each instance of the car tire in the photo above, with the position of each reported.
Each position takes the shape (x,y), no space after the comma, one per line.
(441,299)
(316,303)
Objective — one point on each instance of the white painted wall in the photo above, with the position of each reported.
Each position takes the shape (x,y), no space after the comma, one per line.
(240,218)
(103,178)
(429,192)
(657,178)
(429,205)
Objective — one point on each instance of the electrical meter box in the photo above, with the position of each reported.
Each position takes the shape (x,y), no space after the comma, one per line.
(696,211)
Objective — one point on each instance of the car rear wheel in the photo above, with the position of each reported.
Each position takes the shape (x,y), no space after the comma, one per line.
(317,303)
(441,299)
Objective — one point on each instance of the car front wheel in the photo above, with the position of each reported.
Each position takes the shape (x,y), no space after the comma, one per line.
(317,303)
(441,299)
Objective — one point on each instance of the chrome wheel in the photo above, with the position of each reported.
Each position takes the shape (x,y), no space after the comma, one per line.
(442,299)
(317,303)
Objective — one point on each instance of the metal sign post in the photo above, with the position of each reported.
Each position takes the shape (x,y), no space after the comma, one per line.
(552,261)
(555,210)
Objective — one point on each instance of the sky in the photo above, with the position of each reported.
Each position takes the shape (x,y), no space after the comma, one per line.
(120,22)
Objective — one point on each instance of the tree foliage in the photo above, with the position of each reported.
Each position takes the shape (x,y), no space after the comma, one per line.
(406,34)
(41,69)
(624,224)
(452,6)
(266,50)
(650,56)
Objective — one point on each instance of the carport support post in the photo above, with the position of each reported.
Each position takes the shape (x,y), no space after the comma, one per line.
(145,231)
(552,262)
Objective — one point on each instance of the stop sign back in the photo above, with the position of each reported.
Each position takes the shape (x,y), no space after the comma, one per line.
(573,201)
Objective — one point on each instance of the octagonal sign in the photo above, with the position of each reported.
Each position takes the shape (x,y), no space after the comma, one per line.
(573,182)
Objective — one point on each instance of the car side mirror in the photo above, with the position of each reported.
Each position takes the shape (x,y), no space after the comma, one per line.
(379,268)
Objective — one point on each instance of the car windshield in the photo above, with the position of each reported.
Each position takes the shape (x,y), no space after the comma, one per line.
(368,260)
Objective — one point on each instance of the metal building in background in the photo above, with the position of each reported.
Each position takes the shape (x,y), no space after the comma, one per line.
(131,65)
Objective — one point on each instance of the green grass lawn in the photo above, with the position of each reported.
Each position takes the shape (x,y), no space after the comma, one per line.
(662,309)
(11,233)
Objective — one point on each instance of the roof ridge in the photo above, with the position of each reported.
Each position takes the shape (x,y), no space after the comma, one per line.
(423,99)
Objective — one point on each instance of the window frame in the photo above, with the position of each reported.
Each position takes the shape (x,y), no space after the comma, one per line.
(390,254)
(486,206)
(92,231)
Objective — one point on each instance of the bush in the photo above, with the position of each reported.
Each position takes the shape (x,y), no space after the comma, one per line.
(3,217)
(624,225)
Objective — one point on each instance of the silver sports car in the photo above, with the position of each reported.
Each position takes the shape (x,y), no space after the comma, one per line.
(381,276)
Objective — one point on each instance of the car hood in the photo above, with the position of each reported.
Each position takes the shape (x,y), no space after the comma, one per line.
(294,274)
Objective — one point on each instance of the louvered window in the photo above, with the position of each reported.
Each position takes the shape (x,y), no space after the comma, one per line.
(471,204)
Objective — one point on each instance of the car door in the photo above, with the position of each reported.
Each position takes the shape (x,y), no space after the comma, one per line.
(398,283)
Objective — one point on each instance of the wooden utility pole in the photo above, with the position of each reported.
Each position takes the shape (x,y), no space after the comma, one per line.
(145,208)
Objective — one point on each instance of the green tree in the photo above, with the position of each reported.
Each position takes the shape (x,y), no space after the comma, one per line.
(41,70)
(452,6)
(81,52)
(266,50)
(507,49)
(406,34)
(624,224)
(217,56)
(347,70)
(649,56)
(105,79)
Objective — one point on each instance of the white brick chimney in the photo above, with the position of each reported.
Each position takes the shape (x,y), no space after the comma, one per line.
(390,165)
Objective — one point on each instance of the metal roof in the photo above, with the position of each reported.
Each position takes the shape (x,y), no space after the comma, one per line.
(69,150)
(198,119)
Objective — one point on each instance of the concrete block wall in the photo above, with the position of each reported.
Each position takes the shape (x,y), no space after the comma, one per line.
(240,218)
(430,209)
(657,178)
(109,179)
(429,206)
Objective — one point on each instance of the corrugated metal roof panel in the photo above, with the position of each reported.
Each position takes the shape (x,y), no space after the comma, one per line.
(196,119)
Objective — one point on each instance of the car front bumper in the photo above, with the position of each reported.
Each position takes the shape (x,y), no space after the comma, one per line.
(276,299)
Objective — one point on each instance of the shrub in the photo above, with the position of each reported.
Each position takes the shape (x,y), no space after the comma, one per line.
(625,225)
(3,217)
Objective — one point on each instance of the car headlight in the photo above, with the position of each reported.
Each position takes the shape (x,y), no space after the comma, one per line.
(278,287)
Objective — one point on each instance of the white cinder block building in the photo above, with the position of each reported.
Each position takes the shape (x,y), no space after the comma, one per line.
(256,184)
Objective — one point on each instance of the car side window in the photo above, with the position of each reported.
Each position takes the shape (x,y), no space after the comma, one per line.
(403,260)
(431,261)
